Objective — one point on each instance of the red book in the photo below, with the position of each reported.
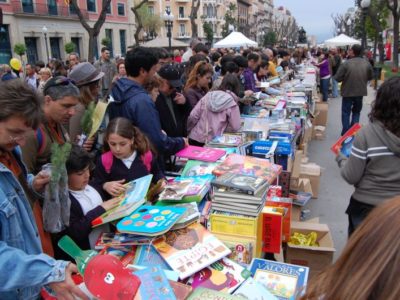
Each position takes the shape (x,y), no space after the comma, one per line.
(345,143)
(200,153)
(272,230)
(286,203)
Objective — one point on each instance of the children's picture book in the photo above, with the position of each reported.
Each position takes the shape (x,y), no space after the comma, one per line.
(175,190)
(147,256)
(197,183)
(226,140)
(181,291)
(120,239)
(198,168)
(126,254)
(224,275)
(201,153)
(248,184)
(285,281)
(134,197)
(345,142)
(154,285)
(252,290)
(151,220)
(203,293)
(242,249)
(190,216)
(190,249)
(248,165)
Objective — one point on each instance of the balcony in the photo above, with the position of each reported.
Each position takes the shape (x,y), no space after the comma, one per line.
(183,1)
(183,18)
(183,35)
(42,9)
(219,2)
(211,19)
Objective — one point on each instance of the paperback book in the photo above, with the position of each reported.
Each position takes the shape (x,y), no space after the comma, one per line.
(242,249)
(201,153)
(198,168)
(226,140)
(252,290)
(190,249)
(147,256)
(345,143)
(175,190)
(154,285)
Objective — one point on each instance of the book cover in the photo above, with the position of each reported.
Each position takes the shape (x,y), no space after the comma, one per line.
(147,256)
(191,214)
(252,290)
(242,249)
(285,281)
(134,196)
(203,293)
(287,204)
(233,224)
(119,239)
(151,220)
(271,230)
(228,140)
(231,194)
(181,291)
(175,190)
(249,184)
(200,153)
(198,168)
(197,183)
(190,249)
(345,142)
(248,165)
(126,254)
(224,275)
(154,285)
(238,208)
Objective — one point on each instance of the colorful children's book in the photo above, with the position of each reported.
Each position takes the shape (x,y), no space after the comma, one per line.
(344,144)
(203,293)
(190,216)
(224,275)
(248,184)
(252,290)
(285,203)
(119,239)
(226,140)
(126,254)
(154,285)
(285,281)
(197,184)
(147,256)
(181,291)
(242,249)
(198,168)
(190,249)
(175,190)
(272,220)
(200,153)
(248,165)
(134,197)
(151,220)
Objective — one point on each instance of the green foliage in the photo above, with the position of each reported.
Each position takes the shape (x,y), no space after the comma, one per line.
(87,119)
(20,49)
(59,155)
(106,42)
(208,31)
(269,39)
(150,22)
(230,19)
(69,47)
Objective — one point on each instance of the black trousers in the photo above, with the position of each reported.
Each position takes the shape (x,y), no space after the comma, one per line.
(357,212)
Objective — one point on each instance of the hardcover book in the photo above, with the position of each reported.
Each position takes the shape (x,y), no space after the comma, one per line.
(248,184)
(252,290)
(198,168)
(201,153)
(119,239)
(147,256)
(285,281)
(243,250)
(345,142)
(190,249)
(154,285)
(175,190)
(134,197)
(126,254)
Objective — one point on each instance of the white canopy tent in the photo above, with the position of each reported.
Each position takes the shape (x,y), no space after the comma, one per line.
(163,42)
(235,39)
(341,40)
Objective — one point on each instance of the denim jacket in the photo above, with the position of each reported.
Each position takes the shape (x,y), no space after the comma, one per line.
(24,268)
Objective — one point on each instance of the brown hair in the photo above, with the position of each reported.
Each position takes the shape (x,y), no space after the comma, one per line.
(202,68)
(154,82)
(369,267)
(18,99)
(86,93)
(123,127)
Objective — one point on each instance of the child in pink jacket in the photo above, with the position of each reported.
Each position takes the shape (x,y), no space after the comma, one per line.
(215,112)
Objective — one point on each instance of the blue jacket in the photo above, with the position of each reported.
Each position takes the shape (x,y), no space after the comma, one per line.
(24,268)
(134,103)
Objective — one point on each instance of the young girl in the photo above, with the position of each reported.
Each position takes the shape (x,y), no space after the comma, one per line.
(127,156)
(198,82)
(86,202)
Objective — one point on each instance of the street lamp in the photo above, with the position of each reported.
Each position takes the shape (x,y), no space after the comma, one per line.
(169,22)
(144,37)
(44,30)
(364,5)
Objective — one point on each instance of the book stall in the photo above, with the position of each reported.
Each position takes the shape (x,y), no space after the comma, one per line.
(231,223)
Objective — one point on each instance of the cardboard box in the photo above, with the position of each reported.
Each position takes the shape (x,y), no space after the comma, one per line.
(319,132)
(312,171)
(321,114)
(316,258)
(296,213)
(298,156)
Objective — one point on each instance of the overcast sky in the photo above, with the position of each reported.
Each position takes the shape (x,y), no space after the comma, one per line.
(315,15)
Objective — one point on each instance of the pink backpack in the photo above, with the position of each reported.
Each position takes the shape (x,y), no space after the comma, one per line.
(108,158)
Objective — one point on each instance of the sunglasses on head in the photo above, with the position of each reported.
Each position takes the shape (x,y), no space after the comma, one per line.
(58,82)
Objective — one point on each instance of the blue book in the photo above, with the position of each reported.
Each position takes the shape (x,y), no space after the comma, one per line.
(154,285)
(284,281)
(148,256)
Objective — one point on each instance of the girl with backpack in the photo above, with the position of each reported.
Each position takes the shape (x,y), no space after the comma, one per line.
(127,156)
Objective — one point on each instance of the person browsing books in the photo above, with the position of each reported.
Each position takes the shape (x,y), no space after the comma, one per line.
(128,155)
(86,203)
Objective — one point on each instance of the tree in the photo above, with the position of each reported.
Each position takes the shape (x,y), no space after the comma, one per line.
(106,42)
(269,39)
(95,30)
(393,6)
(69,47)
(193,18)
(136,9)
(151,22)
(230,19)
(20,49)
(209,33)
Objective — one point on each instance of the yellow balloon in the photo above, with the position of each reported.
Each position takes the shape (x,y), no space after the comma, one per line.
(15,63)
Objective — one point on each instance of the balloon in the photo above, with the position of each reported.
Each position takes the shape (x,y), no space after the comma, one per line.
(15,63)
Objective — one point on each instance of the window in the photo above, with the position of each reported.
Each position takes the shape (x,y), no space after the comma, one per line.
(151,10)
(91,5)
(55,47)
(121,9)
(109,9)
(181,12)
(109,35)
(5,46)
(27,6)
(31,50)
(76,42)
(52,7)
(182,30)
(122,40)
(72,10)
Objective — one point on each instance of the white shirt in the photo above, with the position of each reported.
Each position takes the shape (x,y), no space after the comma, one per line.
(128,161)
(187,55)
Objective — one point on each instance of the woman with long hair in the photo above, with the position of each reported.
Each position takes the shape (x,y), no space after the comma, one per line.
(369,267)
(198,82)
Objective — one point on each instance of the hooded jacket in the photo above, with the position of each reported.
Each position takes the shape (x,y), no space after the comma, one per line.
(220,110)
(134,103)
(374,164)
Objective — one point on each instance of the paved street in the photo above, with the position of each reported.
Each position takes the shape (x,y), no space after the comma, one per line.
(334,192)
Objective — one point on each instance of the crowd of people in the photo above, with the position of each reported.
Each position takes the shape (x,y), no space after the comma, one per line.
(161,103)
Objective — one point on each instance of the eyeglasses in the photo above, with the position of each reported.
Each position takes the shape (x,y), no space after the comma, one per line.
(17,138)
(58,81)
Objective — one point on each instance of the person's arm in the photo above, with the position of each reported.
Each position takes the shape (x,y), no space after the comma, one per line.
(195,115)
(191,97)
(341,72)
(234,122)
(30,151)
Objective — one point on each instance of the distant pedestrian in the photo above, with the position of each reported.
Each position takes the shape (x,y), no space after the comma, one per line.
(354,75)
(108,67)
(334,60)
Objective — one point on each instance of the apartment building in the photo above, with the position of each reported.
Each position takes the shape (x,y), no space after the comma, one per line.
(39,22)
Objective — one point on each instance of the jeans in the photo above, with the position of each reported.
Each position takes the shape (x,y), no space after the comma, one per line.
(335,91)
(350,106)
(324,85)
(357,212)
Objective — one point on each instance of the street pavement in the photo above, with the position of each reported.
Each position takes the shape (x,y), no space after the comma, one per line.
(334,193)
